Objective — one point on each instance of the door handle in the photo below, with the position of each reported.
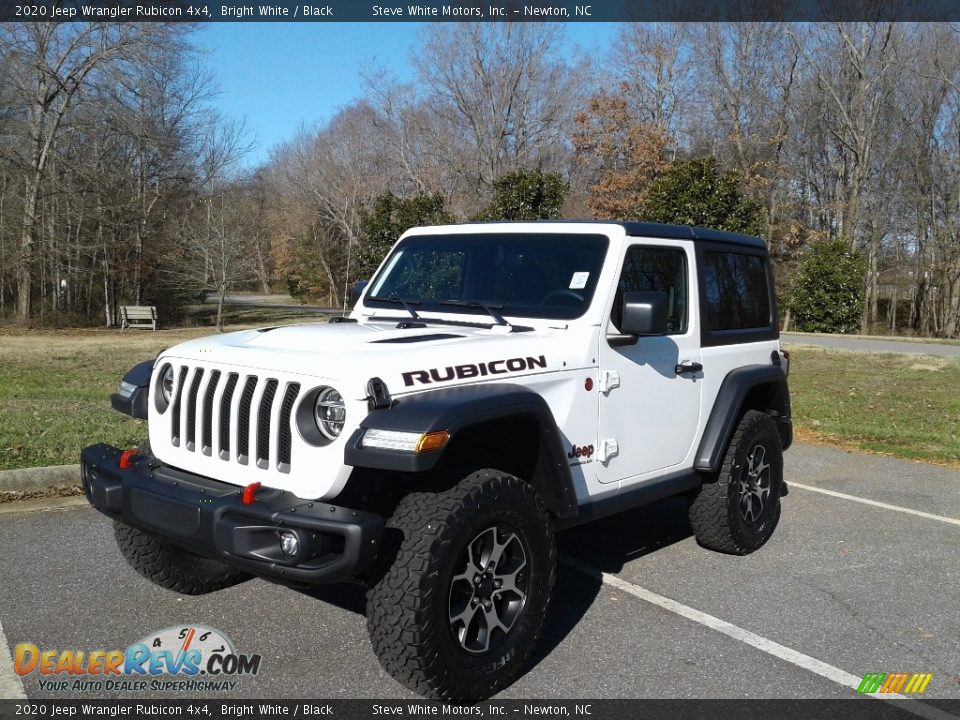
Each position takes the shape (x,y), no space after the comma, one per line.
(688,367)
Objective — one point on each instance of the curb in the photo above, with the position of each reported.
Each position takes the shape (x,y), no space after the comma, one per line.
(41,478)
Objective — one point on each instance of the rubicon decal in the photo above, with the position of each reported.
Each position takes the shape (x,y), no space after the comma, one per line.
(472,370)
(906,683)
(184,651)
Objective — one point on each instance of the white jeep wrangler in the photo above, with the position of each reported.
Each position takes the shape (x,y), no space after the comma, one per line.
(494,383)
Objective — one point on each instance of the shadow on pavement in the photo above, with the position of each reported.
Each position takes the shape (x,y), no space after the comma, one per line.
(347,596)
(608,544)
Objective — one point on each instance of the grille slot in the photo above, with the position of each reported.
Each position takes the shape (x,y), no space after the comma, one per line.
(243,421)
(206,427)
(175,410)
(192,410)
(285,436)
(225,415)
(263,424)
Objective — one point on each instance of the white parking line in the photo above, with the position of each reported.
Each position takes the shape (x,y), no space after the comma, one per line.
(799,659)
(11,688)
(874,503)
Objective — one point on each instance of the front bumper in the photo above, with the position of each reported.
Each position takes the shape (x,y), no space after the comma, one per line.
(209,517)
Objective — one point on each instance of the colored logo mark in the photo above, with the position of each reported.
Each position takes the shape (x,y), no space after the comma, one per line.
(906,683)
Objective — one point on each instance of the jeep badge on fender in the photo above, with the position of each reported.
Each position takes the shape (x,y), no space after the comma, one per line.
(431,445)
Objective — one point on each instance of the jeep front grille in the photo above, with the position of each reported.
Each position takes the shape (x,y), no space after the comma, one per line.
(206,410)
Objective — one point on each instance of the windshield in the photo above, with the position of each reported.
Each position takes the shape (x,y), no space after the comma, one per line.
(524,275)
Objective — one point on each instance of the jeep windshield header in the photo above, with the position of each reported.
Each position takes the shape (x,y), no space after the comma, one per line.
(535,275)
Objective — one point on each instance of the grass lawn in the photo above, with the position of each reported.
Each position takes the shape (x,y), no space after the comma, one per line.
(902,405)
(55,385)
(55,388)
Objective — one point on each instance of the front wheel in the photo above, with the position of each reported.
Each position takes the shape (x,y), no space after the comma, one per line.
(739,511)
(171,566)
(459,612)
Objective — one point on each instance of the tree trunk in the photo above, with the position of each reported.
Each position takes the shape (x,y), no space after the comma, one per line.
(221,295)
(25,264)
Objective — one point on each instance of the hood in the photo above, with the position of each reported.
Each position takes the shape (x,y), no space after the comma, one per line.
(406,359)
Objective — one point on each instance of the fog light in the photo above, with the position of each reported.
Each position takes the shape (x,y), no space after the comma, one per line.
(289,543)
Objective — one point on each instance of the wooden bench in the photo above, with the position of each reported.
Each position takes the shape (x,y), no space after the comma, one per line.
(138,316)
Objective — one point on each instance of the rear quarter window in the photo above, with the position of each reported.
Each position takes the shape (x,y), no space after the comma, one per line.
(736,293)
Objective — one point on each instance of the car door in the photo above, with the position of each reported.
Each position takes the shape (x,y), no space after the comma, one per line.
(649,400)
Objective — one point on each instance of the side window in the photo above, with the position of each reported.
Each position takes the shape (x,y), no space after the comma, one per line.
(662,269)
(736,296)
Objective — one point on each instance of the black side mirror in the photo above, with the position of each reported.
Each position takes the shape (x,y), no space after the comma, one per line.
(358,288)
(644,313)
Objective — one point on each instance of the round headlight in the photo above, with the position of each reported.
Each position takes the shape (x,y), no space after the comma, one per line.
(166,383)
(330,412)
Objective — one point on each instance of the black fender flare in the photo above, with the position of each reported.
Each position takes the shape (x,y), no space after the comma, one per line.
(455,409)
(135,404)
(727,411)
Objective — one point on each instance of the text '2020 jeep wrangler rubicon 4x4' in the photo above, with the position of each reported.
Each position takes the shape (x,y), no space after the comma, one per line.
(493,384)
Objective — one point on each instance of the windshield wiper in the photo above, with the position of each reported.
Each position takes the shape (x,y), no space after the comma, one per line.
(491,310)
(407,303)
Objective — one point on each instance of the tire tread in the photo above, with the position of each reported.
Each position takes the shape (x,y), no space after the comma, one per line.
(172,567)
(708,511)
(401,631)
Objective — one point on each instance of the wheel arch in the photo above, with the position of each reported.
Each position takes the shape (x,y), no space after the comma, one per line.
(753,387)
(503,426)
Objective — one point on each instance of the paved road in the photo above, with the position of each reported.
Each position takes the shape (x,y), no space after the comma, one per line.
(270,301)
(854,587)
(866,344)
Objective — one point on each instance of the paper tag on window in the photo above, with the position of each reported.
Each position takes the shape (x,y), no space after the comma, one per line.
(579,280)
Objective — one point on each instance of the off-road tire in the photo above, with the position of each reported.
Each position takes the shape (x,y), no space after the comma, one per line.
(716,512)
(171,566)
(410,610)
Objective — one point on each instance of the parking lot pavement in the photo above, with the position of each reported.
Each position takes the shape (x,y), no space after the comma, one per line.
(861,343)
(856,588)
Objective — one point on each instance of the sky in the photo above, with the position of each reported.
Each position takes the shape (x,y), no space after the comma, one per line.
(279,77)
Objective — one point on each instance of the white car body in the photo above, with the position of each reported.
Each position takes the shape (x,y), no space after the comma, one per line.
(642,422)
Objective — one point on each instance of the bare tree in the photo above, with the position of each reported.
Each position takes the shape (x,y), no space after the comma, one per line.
(504,92)
(654,70)
(856,67)
(219,232)
(51,64)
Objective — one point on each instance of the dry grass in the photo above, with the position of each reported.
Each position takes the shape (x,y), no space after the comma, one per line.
(902,405)
(55,387)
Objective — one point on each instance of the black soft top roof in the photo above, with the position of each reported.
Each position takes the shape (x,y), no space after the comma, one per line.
(658,230)
(686,232)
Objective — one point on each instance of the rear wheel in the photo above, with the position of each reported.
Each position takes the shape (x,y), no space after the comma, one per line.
(739,511)
(460,610)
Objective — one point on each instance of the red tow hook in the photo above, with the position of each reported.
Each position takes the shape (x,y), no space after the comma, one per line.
(126,456)
(248,493)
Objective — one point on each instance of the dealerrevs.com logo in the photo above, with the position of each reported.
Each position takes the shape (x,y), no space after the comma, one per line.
(191,658)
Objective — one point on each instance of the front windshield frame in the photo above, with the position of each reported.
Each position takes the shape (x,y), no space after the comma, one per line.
(486,260)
